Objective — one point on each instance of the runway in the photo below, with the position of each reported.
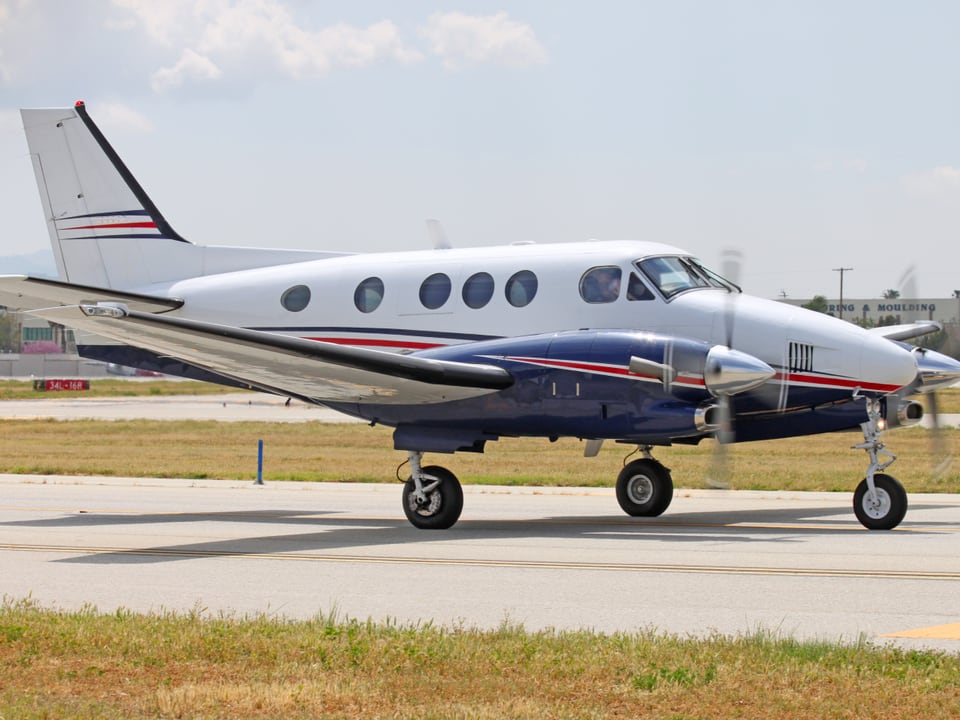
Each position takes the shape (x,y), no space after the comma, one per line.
(730,562)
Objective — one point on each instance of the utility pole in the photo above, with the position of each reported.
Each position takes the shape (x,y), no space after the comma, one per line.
(841,270)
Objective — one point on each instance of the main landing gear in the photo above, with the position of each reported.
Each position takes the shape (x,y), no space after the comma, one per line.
(432,496)
(644,487)
(879,502)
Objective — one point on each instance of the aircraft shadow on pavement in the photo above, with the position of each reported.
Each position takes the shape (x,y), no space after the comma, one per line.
(333,534)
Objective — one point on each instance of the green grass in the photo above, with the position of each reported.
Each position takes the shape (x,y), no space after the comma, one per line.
(123,665)
(353,452)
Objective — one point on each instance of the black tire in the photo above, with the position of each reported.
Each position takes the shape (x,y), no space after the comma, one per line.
(889,511)
(644,488)
(444,502)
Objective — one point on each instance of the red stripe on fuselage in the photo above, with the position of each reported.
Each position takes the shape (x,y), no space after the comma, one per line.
(796,378)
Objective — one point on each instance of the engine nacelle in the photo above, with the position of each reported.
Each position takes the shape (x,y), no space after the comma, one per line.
(901,412)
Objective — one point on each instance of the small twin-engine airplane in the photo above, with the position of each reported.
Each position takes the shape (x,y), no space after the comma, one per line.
(635,342)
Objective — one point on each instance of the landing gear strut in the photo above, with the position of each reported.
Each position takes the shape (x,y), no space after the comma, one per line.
(879,502)
(644,487)
(432,496)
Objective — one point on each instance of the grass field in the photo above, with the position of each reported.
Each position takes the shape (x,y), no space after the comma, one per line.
(353,452)
(122,665)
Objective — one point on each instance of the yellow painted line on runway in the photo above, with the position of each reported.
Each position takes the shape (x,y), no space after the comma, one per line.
(936,632)
(187,552)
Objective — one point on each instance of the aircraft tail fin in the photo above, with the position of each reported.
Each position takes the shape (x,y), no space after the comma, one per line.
(105,230)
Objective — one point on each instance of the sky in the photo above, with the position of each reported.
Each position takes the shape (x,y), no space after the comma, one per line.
(805,136)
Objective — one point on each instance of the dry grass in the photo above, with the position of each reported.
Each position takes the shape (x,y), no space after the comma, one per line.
(357,453)
(84,664)
(114,387)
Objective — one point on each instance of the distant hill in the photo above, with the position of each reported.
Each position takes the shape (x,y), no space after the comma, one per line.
(40,263)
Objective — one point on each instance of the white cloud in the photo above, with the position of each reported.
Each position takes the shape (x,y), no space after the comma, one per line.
(462,40)
(190,67)
(941,181)
(168,22)
(117,116)
(224,39)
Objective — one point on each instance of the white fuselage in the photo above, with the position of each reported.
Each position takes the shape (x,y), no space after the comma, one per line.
(807,347)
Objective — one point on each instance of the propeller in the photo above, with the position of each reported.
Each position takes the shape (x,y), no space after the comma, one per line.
(934,372)
(718,473)
(940,447)
(727,373)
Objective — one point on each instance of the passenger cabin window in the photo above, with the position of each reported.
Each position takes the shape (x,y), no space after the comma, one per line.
(296,298)
(368,295)
(601,284)
(521,288)
(435,291)
(478,290)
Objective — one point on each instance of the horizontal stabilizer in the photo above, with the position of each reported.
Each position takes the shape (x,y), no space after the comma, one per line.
(908,330)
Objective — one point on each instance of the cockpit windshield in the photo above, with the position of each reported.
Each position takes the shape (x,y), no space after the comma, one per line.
(672,275)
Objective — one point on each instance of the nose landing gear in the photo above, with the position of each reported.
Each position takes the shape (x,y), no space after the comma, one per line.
(879,502)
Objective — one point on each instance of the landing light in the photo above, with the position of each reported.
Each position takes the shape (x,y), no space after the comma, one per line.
(112,310)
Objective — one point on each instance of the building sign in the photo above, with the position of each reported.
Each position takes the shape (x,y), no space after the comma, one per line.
(945,310)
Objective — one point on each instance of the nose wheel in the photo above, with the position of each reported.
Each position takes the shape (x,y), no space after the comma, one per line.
(885,508)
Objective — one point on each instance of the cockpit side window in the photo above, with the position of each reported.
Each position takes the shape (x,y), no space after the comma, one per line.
(601,284)
(636,290)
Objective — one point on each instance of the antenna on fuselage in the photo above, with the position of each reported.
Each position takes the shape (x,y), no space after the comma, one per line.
(437,236)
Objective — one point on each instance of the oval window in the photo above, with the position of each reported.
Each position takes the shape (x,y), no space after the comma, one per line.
(521,288)
(296,298)
(435,291)
(601,284)
(368,295)
(477,290)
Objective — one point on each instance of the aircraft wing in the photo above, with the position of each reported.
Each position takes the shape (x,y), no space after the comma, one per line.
(22,292)
(908,330)
(288,365)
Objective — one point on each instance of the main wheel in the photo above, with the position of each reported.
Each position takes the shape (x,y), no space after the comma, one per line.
(889,508)
(644,488)
(443,503)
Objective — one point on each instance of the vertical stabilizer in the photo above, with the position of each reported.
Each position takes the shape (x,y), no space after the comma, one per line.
(97,214)
(104,228)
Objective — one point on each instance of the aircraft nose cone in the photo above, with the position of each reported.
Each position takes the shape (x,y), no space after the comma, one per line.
(935,370)
(728,372)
